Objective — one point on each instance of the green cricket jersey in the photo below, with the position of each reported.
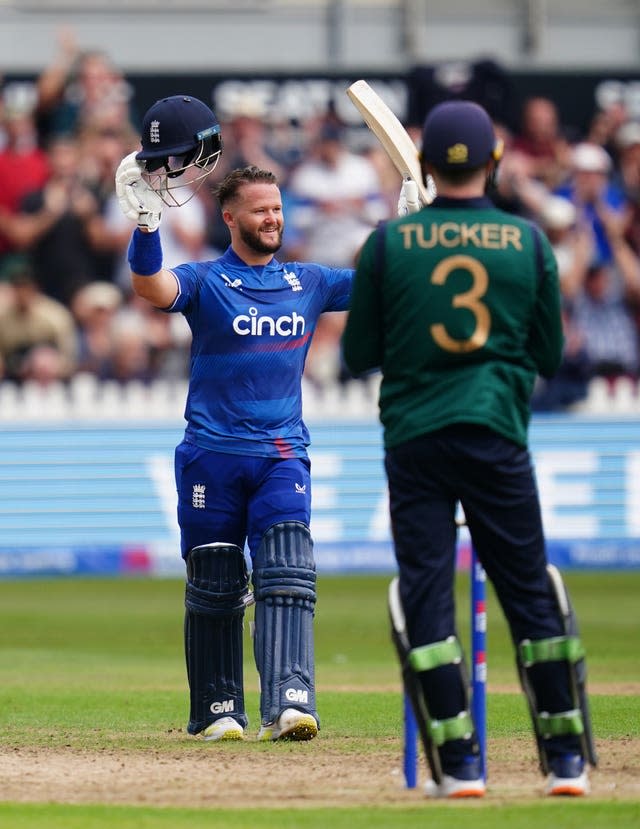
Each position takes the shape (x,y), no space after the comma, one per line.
(459,306)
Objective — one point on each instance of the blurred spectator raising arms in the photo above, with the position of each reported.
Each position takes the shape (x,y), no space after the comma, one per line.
(23,166)
(80,88)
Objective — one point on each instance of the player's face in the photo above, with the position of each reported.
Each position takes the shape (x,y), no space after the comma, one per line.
(258,217)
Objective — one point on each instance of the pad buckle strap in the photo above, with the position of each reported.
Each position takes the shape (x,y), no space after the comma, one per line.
(563,723)
(428,657)
(459,727)
(554,649)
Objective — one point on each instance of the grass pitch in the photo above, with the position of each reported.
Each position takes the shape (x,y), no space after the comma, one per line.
(96,665)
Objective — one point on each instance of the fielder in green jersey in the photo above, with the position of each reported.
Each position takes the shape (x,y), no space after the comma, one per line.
(458,304)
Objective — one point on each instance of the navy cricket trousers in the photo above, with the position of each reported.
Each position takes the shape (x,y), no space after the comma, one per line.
(494,481)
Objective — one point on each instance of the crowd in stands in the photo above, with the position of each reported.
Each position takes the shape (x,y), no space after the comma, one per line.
(65,302)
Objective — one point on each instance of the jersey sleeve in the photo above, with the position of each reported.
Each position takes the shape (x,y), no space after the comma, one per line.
(188,287)
(339,281)
(546,339)
(362,339)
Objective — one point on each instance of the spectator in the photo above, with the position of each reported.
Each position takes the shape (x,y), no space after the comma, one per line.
(247,138)
(30,320)
(516,191)
(94,307)
(44,365)
(80,88)
(573,249)
(23,168)
(590,188)
(336,199)
(570,384)
(130,353)
(608,326)
(168,337)
(604,126)
(323,365)
(248,141)
(52,225)
(540,141)
(628,153)
(388,176)
(628,178)
(100,152)
(572,242)
(605,310)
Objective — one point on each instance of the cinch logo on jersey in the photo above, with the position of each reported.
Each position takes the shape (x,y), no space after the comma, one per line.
(224,707)
(296,695)
(253,325)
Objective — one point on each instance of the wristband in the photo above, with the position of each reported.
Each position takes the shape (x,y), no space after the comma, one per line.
(145,253)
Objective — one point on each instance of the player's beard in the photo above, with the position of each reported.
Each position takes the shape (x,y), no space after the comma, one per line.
(254,241)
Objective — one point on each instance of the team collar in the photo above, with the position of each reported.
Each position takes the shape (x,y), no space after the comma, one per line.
(448,201)
(230,257)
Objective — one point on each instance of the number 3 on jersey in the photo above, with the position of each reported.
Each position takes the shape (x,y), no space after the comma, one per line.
(466,299)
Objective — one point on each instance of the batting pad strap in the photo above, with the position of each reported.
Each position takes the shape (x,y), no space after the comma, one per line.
(564,723)
(217,580)
(455,728)
(285,566)
(428,657)
(554,649)
(281,582)
(145,253)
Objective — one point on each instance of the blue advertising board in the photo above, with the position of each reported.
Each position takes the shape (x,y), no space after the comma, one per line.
(99,498)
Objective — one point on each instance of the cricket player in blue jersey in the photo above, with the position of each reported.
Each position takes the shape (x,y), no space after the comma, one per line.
(242,469)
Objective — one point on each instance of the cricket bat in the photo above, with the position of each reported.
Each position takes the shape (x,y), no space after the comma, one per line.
(395,140)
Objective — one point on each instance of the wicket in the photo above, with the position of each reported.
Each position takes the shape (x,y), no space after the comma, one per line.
(478,680)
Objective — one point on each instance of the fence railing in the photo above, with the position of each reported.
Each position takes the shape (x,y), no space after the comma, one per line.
(87,398)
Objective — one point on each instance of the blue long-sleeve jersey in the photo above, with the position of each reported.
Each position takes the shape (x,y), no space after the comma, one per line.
(251,330)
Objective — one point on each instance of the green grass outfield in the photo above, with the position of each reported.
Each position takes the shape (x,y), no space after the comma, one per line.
(97,665)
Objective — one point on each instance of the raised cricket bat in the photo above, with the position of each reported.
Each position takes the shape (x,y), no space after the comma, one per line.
(395,140)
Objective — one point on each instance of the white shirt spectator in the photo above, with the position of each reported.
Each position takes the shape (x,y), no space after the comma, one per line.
(336,201)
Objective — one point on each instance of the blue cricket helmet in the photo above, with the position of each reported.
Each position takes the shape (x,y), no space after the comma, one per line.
(180,134)
(459,135)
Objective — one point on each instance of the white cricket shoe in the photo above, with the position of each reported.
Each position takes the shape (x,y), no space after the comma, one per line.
(452,787)
(290,725)
(568,776)
(226,728)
